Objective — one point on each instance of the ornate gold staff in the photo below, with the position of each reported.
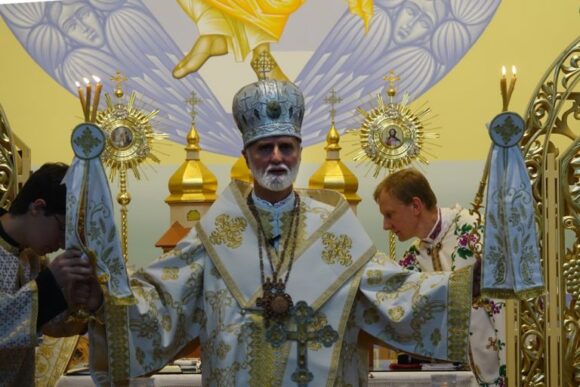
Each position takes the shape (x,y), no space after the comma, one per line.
(130,137)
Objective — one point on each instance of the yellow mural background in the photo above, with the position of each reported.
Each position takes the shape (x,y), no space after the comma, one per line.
(527,33)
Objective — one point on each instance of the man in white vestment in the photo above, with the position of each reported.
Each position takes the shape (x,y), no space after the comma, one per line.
(32,297)
(445,241)
(277,282)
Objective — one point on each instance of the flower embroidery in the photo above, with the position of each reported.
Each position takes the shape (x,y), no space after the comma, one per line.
(410,259)
(465,240)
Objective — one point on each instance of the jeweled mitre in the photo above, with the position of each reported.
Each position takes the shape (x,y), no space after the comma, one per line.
(268,108)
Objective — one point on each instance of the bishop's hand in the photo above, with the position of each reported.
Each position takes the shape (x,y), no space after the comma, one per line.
(67,269)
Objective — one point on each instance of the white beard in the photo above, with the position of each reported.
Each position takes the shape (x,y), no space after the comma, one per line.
(273,182)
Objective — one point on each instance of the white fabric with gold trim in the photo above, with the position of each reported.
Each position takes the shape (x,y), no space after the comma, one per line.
(89,199)
(329,288)
(511,266)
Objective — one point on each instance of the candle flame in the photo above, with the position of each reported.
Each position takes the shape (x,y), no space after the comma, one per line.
(86,80)
(514,70)
(503,71)
(77,84)
(97,79)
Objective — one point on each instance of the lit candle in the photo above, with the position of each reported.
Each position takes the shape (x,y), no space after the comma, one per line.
(81,98)
(88,104)
(503,88)
(512,85)
(98,88)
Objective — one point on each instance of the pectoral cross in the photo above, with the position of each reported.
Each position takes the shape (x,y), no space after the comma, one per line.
(303,316)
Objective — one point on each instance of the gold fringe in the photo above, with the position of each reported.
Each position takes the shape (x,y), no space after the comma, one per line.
(509,294)
(504,294)
(531,293)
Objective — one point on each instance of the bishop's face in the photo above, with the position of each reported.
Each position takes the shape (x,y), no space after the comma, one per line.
(274,162)
(400,218)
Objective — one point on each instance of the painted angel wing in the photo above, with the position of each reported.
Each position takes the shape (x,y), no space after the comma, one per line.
(420,40)
(73,39)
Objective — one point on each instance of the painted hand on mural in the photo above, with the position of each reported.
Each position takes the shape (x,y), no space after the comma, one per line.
(421,40)
(228,26)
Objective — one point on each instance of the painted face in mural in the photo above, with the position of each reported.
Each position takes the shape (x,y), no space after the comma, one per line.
(416,19)
(80,23)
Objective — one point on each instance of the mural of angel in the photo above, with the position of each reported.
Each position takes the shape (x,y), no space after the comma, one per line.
(72,39)
(421,40)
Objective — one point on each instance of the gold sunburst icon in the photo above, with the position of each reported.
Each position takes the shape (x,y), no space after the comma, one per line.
(393,135)
(130,134)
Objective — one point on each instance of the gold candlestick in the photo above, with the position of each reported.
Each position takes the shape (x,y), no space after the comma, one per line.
(503,89)
(511,85)
(82,99)
(95,108)
(88,100)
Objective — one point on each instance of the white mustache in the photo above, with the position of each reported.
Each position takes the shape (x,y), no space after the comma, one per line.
(271,167)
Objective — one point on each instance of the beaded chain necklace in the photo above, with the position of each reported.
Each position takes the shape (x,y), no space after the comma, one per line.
(275,302)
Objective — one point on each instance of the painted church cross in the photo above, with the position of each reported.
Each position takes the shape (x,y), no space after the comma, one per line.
(193,101)
(332,99)
(303,316)
(263,64)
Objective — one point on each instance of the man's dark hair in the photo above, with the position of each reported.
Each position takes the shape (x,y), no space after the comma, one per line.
(45,183)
